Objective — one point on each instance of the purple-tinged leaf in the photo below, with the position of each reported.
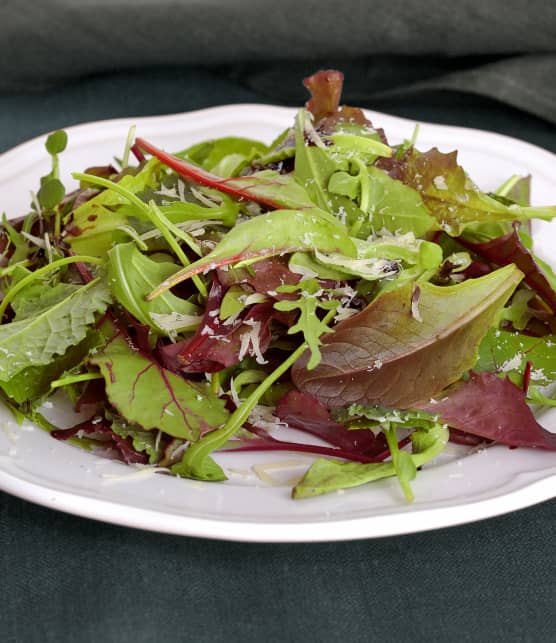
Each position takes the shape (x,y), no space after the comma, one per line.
(325,87)
(510,249)
(387,356)
(265,442)
(218,343)
(304,412)
(453,199)
(98,429)
(272,234)
(264,276)
(269,188)
(492,408)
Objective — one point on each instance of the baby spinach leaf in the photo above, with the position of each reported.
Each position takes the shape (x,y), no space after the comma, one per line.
(308,322)
(325,476)
(132,275)
(152,397)
(387,355)
(37,340)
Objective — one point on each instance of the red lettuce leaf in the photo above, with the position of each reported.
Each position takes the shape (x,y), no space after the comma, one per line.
(492,408)
(304,412)
(100,431)
(216,344)
(326,90)
(263,276)
(510,249)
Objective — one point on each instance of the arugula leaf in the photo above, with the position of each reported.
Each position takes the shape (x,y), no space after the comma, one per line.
(37,340)
(308,322)
(371,359)
(152,397)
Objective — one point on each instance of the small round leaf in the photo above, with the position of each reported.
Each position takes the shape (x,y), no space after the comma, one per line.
(51,193)
(56,142)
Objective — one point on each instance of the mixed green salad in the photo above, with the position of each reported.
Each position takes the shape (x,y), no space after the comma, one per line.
(365,293)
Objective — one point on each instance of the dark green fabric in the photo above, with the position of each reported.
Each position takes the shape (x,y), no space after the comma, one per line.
(64,579)
(70,580)
(504,49)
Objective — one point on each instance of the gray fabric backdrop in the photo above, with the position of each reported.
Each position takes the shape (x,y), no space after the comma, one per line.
(505,49)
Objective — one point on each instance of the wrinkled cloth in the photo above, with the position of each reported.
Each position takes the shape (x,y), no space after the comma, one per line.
(503,49)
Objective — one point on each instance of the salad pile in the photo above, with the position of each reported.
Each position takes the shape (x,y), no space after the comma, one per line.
(365,293)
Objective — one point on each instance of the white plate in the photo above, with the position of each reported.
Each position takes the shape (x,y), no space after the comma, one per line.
(455,490)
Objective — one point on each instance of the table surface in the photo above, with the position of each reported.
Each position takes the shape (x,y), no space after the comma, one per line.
(65,578)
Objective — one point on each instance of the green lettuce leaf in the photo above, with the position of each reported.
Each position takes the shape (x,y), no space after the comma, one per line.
(225,156)
(33,383)
(271,234)
(37,340)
